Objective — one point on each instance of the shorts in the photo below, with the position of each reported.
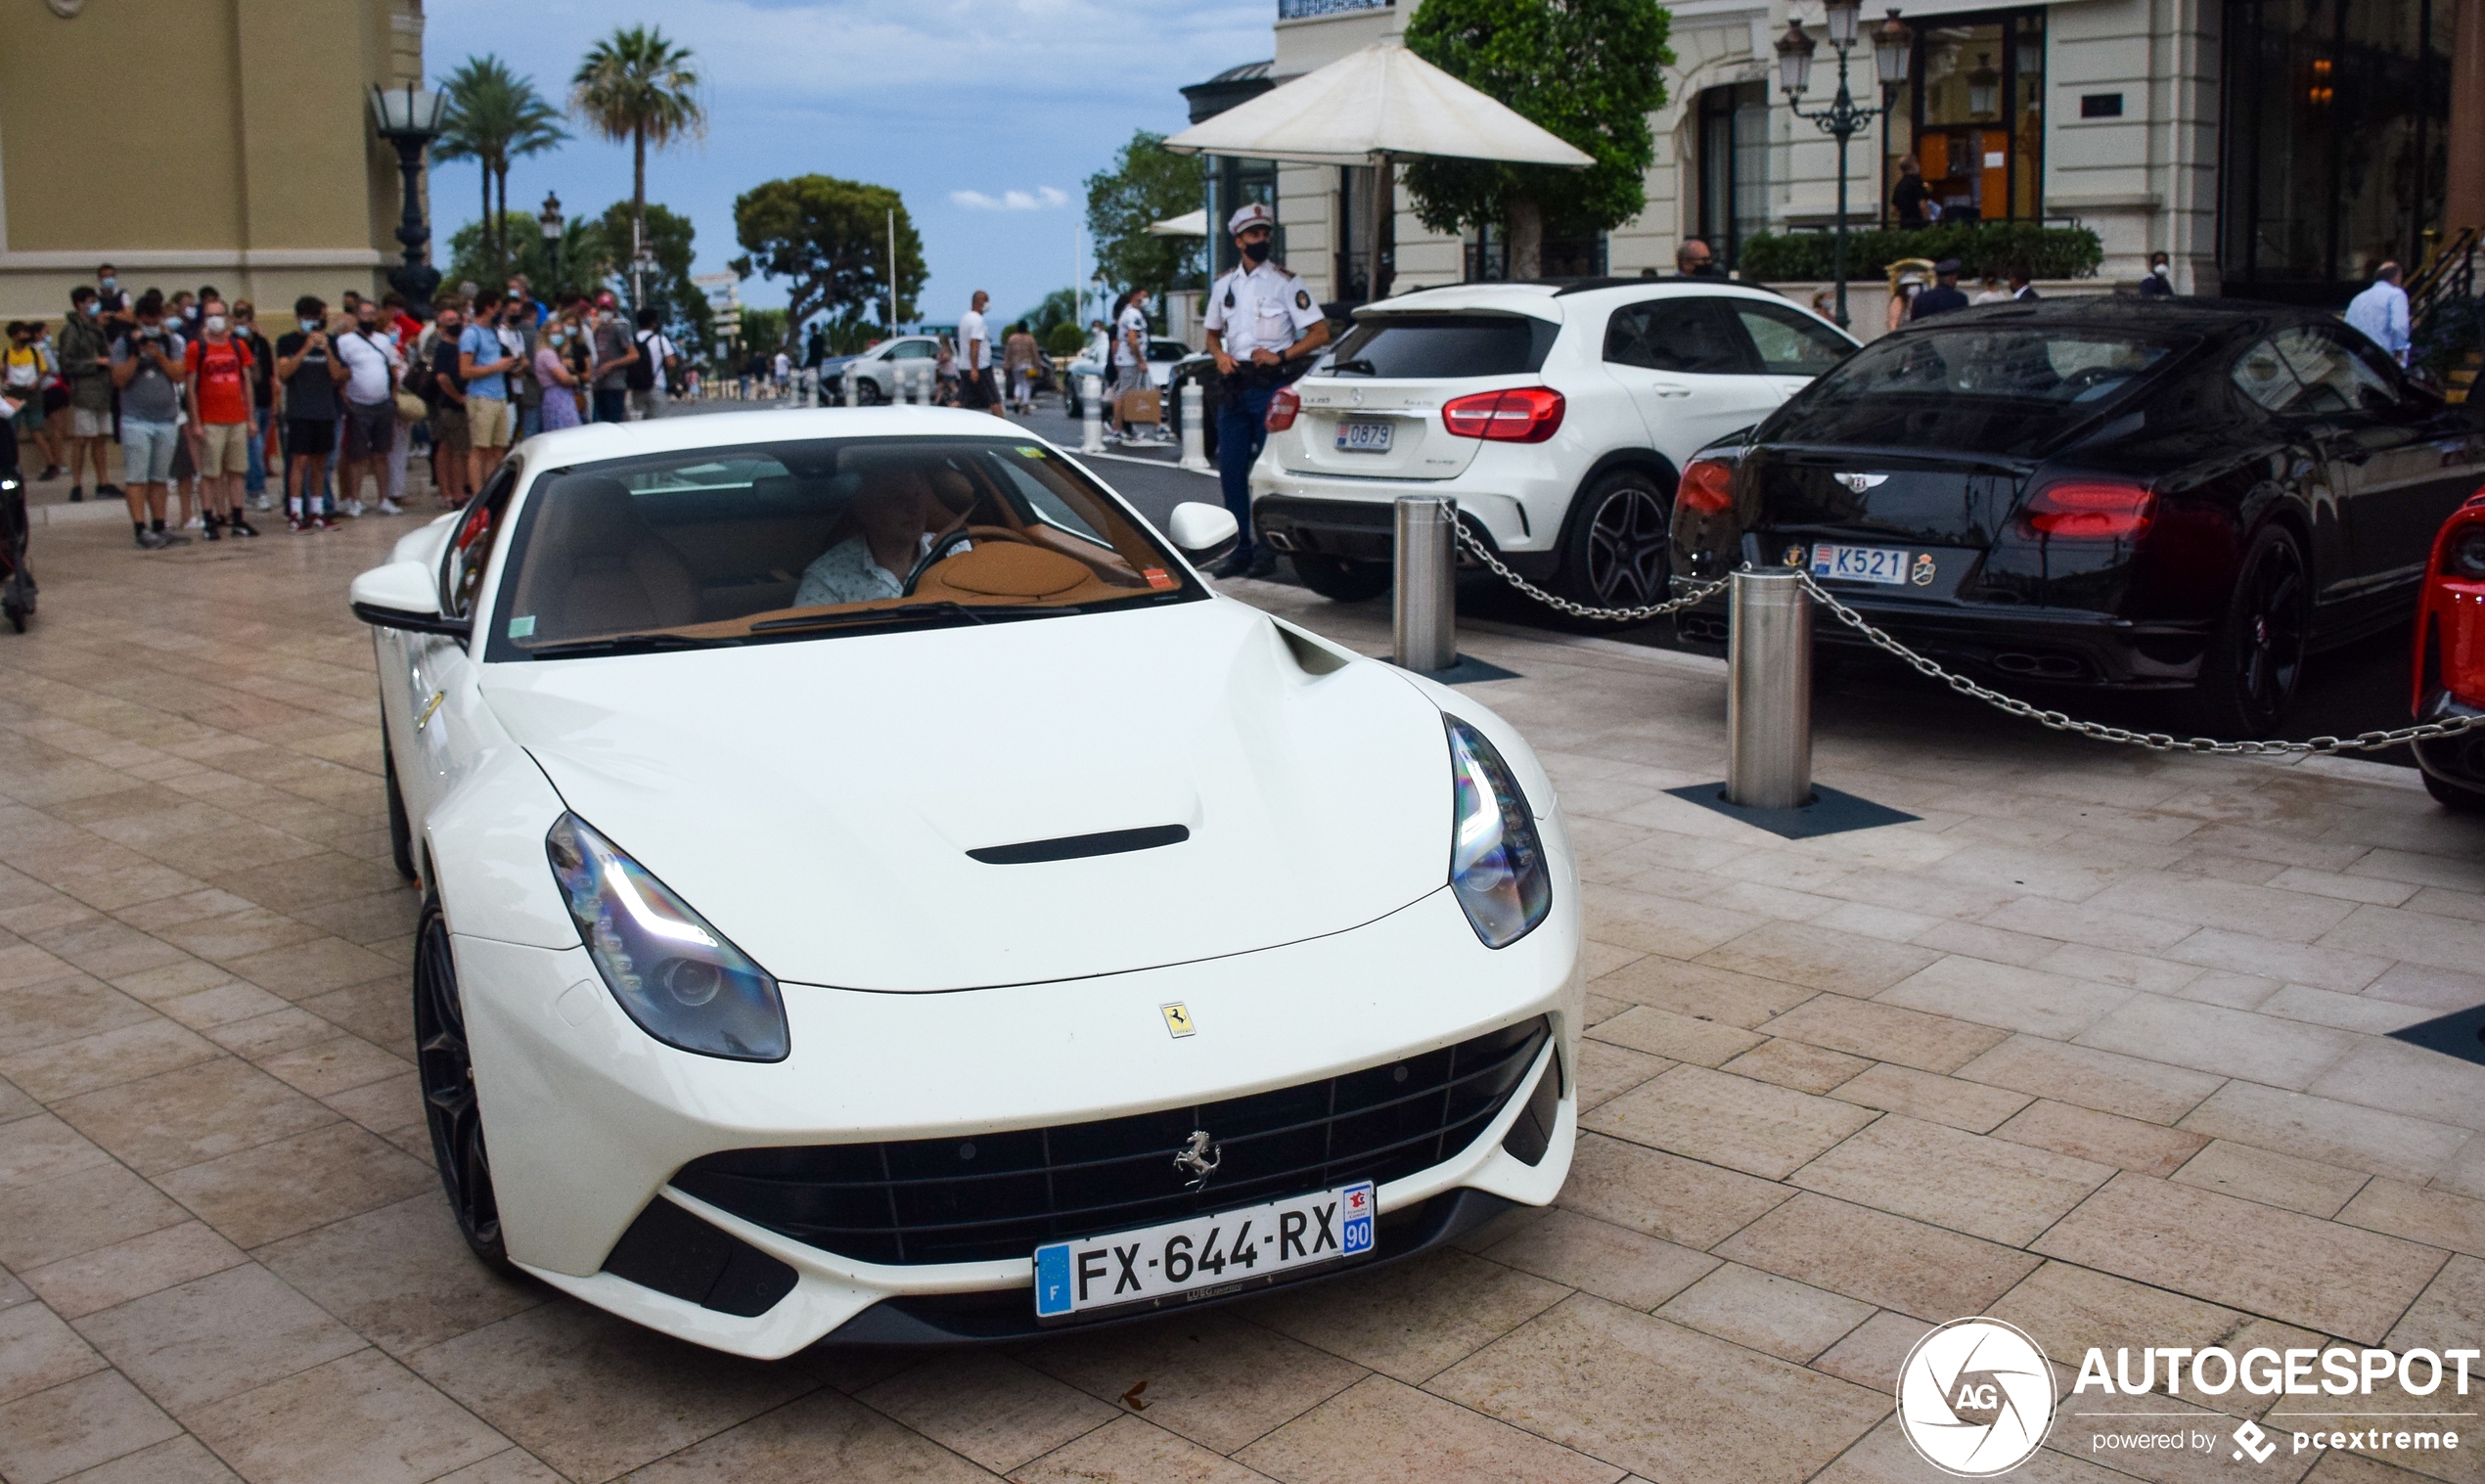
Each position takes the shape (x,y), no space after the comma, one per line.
(448,426)
(652,402)
(371,429)
(146,451)
(309,438)
(975,389)
(86,423)
(488,423)
(228,449)
(29,419)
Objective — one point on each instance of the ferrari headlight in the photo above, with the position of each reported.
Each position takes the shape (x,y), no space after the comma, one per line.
(1497,862)
(678,978)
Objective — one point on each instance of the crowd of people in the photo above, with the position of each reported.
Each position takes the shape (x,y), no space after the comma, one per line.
(212,421)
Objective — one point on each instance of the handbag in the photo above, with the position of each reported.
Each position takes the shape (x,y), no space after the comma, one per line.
(411,408)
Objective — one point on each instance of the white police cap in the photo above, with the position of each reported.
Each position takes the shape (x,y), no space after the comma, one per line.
(1253,215)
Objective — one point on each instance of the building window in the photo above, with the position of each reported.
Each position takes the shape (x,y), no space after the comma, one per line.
(1573,255)
(1734,167)
(1234,184)
(1302,10)
(1353,283)
(2336,117)
(1972,113)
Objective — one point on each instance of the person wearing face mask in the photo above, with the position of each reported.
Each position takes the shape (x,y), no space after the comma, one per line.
(372,363)
(86,361)
(263,451)
(561,384)
(1262,328)
(218,366)
(310,371)
(146,368)
(2159,284)
(608,381)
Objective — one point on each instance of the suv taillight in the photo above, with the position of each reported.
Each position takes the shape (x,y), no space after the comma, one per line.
(1707,485)
(2091,510)
(1282,405)
(1519,415)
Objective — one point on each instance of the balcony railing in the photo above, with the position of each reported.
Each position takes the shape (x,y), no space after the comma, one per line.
(1299,9)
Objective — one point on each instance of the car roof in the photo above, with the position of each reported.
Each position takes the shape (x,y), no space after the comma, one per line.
(597,441)
(2129,312)
(1550,298)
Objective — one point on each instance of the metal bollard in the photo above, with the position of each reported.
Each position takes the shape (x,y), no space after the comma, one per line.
(1425,609)
(1194,429)
(1769,691)
(850,390)
(1091,427)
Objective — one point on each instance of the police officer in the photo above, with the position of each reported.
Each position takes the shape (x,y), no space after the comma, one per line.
(1262,326)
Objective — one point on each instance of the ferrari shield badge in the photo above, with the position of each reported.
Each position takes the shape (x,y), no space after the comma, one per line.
(1922,576)
(1178,1019)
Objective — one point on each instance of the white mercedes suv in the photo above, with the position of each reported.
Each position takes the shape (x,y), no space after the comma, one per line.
(1557,415)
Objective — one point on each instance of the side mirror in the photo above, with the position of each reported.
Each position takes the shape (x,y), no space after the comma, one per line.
(1204,533)
(401,596)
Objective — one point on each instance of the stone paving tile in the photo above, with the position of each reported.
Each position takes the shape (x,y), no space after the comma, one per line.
(1884,1457)
(2436,1217)
(1887,1260)
(2451,1307)
(79,1285)
(1968,1105)
(1665,1195)
(400,1275)
(194,1113)
(77,1426)
(2408,1079)
(1774,1315)
(39,1352)
(2002,995)
(1884,1033)
(42,1147)
(1660,1399)
(1988,1187)
(1410,1320)
(2213,1039)
(2334,1278)
(1718,1118)
(1129,1451)
(363,1417)
(988,1407)
(1874,1351)
(2326,1130)
(2272,1179)
(1614,1263)
(1606,1071)
(213,1336)
(2103,1137)
(1680,1038)
(1382,1431)
(70,1214)
(1701,991)
(66,1068)
(1213,1377)
(175,1461)
(1820,958)
(296,1184)
(1792,1063)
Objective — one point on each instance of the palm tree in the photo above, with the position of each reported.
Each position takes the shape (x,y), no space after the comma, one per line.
(495,117)
(636,85)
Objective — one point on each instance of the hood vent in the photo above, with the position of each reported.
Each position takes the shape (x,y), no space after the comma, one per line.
(1072,847)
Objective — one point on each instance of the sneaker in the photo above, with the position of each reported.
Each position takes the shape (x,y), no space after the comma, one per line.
(351,509)
(1263,562)
(297,524)
(107,492)
(173,538)
(241,528)
(77,494)
(214,530)
(151,541)
(325,522)
(391,507)
(196,523)
(261,502)
(51,471)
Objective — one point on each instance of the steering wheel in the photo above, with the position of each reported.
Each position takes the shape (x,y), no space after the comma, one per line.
(2090,377)
(940,549)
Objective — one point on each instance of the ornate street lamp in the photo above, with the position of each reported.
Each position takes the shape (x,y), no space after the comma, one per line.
(550,220)
(409,117)
(1892,45)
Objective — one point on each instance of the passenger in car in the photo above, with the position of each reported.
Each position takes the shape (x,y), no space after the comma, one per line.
(894,521)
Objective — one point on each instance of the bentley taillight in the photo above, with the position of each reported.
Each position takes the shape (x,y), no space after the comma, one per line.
(2094,510)
(1517,415)
(1707,485)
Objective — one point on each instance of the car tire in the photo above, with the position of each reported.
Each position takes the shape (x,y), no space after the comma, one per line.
(400,829)
(2255,661)
(1342,581)
(446,1066)
(1619,553)
(2457,797)
(867,393)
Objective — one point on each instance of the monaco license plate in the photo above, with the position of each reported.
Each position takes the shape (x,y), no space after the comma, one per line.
(1364,437)
(1203,1256)
(1860,563)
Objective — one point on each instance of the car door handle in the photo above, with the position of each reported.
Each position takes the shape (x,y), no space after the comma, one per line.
(424,719)
(1663,389)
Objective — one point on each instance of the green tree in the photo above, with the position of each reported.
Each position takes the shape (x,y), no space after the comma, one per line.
(636,85)
(1147,184)
(494,116)
(681,306)
(764,331)
(1587,71)
(587,256)
(830,238)
(1060,307)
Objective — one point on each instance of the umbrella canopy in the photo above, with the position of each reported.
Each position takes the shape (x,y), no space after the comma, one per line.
(1188,224)
(1383,101)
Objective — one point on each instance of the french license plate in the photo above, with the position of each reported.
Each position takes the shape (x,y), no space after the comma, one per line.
(1203,1256)
(1364,437)
(1860,563)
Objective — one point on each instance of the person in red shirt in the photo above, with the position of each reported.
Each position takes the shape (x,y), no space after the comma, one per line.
(220,417)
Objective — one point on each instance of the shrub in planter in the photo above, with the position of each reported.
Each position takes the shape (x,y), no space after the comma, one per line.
(1995,247)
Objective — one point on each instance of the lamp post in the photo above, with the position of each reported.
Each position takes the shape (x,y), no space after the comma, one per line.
(1893,47)
(409,117)
(550,221)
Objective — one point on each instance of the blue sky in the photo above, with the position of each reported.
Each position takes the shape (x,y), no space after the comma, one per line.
(987,114)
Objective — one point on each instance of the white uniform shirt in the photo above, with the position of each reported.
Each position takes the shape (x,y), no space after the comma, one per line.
(975,343)
(1263,308)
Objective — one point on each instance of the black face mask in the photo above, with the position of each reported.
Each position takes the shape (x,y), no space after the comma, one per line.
(1256,252)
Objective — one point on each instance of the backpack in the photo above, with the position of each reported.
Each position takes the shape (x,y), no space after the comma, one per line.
(640,375)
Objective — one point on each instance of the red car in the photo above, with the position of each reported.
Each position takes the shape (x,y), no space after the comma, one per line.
(2450,658)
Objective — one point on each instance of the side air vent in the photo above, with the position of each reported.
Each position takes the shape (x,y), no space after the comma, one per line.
(1071,847)
(672,1251)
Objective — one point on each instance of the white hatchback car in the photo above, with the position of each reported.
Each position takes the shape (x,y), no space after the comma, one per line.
(874,886)
(1558,416)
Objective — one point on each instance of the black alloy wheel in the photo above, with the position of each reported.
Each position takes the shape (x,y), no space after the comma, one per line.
(867,392)
(1621,544)
(1342,581)
(449,1105)
(400,829)
(2250,674)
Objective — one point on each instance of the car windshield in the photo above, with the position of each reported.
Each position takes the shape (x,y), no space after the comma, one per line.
(757,542)
(2003,390)
(1435,346)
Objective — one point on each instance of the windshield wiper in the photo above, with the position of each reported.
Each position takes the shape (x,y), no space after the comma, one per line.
(1357,364)
(628,643)
(973,612)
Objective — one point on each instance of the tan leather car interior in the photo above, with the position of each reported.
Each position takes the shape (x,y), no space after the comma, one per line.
(604,569)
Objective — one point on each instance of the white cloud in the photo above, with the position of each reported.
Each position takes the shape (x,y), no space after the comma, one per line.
(1041,198)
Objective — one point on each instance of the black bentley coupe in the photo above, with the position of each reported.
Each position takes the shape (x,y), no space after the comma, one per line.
(2182,495)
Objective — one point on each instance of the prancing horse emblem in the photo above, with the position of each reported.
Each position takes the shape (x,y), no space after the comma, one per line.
(1198,1158)
(1861,482)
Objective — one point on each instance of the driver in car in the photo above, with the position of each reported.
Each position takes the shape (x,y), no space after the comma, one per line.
(895,521)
